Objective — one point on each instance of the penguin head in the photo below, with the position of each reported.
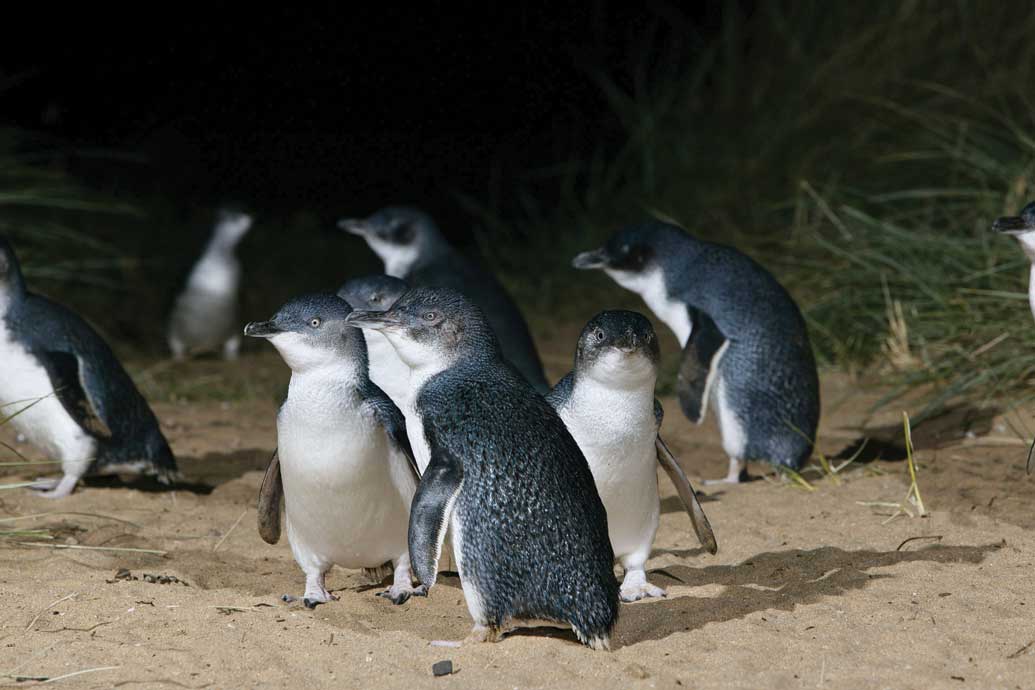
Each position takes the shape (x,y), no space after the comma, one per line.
(618,348)
(232,224)
(1021,226)
(11,282)
(372,293)
(430,327)
(310,332)
(397,234)
(635,255)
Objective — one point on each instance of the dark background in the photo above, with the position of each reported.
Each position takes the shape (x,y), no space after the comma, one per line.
(330,108)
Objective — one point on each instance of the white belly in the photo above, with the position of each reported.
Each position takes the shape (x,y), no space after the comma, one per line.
(734,437)
(25,389)
(387,371)
(618,439)
(347,491)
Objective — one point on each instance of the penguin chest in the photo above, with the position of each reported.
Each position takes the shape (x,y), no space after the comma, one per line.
(346,492)
(616,432)
(650,286)
(27,392)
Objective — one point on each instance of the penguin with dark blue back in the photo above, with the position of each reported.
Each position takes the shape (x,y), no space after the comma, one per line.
(413,249)
(746,348)
(64,389)
(529,530)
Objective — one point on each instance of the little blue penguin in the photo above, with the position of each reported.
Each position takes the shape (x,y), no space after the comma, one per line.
(62,387)
(412,248)
(746,347)
(1023,228)
(345,465)
(377,293)
(528,528)
(608,404)
(204,317)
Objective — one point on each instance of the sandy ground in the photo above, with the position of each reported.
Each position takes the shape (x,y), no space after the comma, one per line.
(808,590)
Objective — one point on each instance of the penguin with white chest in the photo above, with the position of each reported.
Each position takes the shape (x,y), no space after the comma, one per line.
(343,461)
(529,531)
(1022,227)
(608,405)
(412,248)
(746,349)
(63,388)
(377,293)
(204,317)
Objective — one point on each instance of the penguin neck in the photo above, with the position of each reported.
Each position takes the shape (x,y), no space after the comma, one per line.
(650,285)
(1031,290)
(331,385)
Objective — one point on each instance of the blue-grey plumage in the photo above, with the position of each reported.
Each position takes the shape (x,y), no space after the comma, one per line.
(412,248)
(607,402)
(64,389)
(1022,227)
(343,462)
(746,346)
(528,528)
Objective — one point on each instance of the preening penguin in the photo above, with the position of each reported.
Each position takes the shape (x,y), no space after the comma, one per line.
(608,405)
(204,317)
(345,466)
(378,293)
(62,387)
(1023,228)
(413,248)
(746,348)
(528,528)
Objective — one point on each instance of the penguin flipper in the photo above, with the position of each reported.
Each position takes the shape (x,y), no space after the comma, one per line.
(698,519)
(271,495)
(430,514)
(66,375)
(389,416)
(699,360)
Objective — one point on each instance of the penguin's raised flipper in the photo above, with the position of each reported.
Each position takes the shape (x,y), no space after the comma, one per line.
(67,377)
(686,492)
(271,494)
(392,420)
(700,358)
(430,514)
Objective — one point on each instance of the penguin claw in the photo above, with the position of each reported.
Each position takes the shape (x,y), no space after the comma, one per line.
(401,595)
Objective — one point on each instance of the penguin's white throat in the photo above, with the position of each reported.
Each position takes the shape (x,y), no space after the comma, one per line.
(621,370)
(398,258)
(303,356)
(649,284)
(1027,242)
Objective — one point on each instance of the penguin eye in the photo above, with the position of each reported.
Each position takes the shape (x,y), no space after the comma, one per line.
(315,322)
(430,316)
(599,335)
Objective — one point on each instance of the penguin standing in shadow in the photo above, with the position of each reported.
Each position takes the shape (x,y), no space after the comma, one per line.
(62,387)
(608,404)
(204,317)
(529,531)
(746,349)
(1023,228)
(412,248)
(377,293)
(343,462)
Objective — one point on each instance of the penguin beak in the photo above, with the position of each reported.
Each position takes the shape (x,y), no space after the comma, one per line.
(261,329)
(371,320)
(354,226)
(1012,225)
(596,258)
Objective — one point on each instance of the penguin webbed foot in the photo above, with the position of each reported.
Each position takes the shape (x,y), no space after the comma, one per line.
(400,595)
(631,593)
(46,487)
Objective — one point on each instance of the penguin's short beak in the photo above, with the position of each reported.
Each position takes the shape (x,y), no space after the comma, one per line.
(372,320)
(1012,225)
(261,329)
(355,226)
(597,258)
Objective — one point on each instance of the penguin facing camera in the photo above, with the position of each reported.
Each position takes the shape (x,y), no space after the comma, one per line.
(204,317)
(343,464)
(608,404)
(412,248)
(64,389)
(746,349)
(529,531)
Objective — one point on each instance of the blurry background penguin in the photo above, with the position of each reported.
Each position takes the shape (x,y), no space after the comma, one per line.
(746,349)
(204,317)
(1023,228)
